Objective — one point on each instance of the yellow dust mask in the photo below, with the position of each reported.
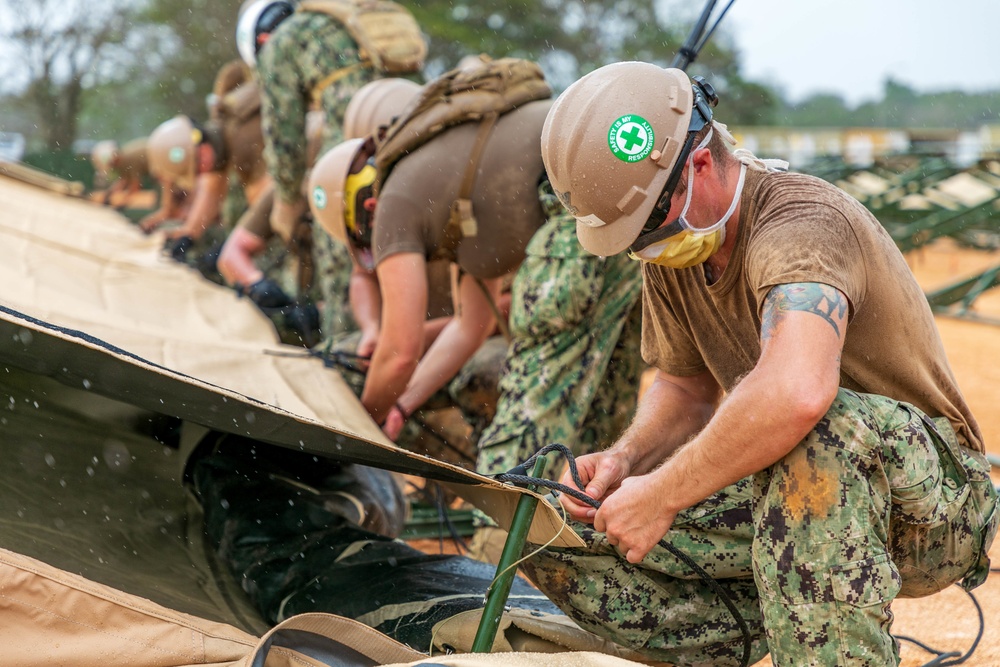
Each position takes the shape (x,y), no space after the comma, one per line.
(691,246)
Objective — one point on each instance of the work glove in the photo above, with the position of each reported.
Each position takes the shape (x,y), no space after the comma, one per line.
(266,294)
(208,262)
(303,320)
(178,248)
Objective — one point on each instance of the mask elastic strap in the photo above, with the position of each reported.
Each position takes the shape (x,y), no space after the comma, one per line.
(732,208)
(690,189)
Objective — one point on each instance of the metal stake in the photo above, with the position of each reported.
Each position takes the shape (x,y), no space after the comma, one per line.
(496,598)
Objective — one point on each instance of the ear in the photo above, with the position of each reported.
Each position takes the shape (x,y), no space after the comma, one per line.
(701,160)
(206,158)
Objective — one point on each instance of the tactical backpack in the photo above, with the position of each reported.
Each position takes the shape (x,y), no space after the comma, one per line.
(241,103)
(388,37)
(480,93)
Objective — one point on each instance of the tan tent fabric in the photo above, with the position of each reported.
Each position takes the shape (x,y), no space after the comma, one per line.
(87,299)
(526,632)
(50,617)
(26,174)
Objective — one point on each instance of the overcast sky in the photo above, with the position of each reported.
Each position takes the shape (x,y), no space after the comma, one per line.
(852,46)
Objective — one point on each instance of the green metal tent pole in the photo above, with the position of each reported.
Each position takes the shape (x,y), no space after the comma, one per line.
(496,598)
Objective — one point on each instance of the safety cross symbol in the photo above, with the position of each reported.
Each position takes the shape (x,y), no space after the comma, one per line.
(630,138)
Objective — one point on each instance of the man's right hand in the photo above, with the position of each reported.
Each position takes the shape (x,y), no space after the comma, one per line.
(602,473)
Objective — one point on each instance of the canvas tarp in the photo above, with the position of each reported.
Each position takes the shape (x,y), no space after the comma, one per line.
(100,336)
(90,301)
(50,617)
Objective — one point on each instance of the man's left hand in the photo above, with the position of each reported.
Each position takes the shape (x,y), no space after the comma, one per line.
(394,423)
(634,517)
(178,247)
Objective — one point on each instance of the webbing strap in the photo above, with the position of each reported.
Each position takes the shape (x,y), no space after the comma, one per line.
(462,221)
(335,76)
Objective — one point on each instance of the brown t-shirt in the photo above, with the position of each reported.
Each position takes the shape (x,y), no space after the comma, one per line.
(236,137)
(793,229)
(415,201)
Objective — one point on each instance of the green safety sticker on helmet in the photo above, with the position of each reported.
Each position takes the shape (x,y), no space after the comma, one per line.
(176,155)
(319,197)
(630,138)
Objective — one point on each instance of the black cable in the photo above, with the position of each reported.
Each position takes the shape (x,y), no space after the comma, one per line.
(708,35)
(946,658)
(520,477)
(688,51)
(445,519)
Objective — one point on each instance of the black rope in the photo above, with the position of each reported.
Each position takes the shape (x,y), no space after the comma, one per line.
(945,658)
(519,476)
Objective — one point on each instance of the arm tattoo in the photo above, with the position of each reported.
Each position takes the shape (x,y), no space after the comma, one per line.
(816,298)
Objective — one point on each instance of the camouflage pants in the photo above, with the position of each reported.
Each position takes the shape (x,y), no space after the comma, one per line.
(332,280)
(878,501)
(572,372)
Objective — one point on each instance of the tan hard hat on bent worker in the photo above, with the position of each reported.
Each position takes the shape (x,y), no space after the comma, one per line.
(614,146)
(341,181)
(340,187)
(376,104)
(172,151)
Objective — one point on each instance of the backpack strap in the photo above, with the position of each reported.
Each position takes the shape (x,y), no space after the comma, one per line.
(461,220)
(333,77)
(502,323)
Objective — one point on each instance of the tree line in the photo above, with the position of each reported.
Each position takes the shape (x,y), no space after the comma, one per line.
(96,69)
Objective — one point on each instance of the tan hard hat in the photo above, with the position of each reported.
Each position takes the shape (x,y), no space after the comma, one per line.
(326,187)
(171,150)
(609,143)
(471,63)
(103,155)
(376,104)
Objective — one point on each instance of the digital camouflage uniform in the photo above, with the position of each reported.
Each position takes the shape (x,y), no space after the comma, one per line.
(572,371)
(878,501)
(301,53)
